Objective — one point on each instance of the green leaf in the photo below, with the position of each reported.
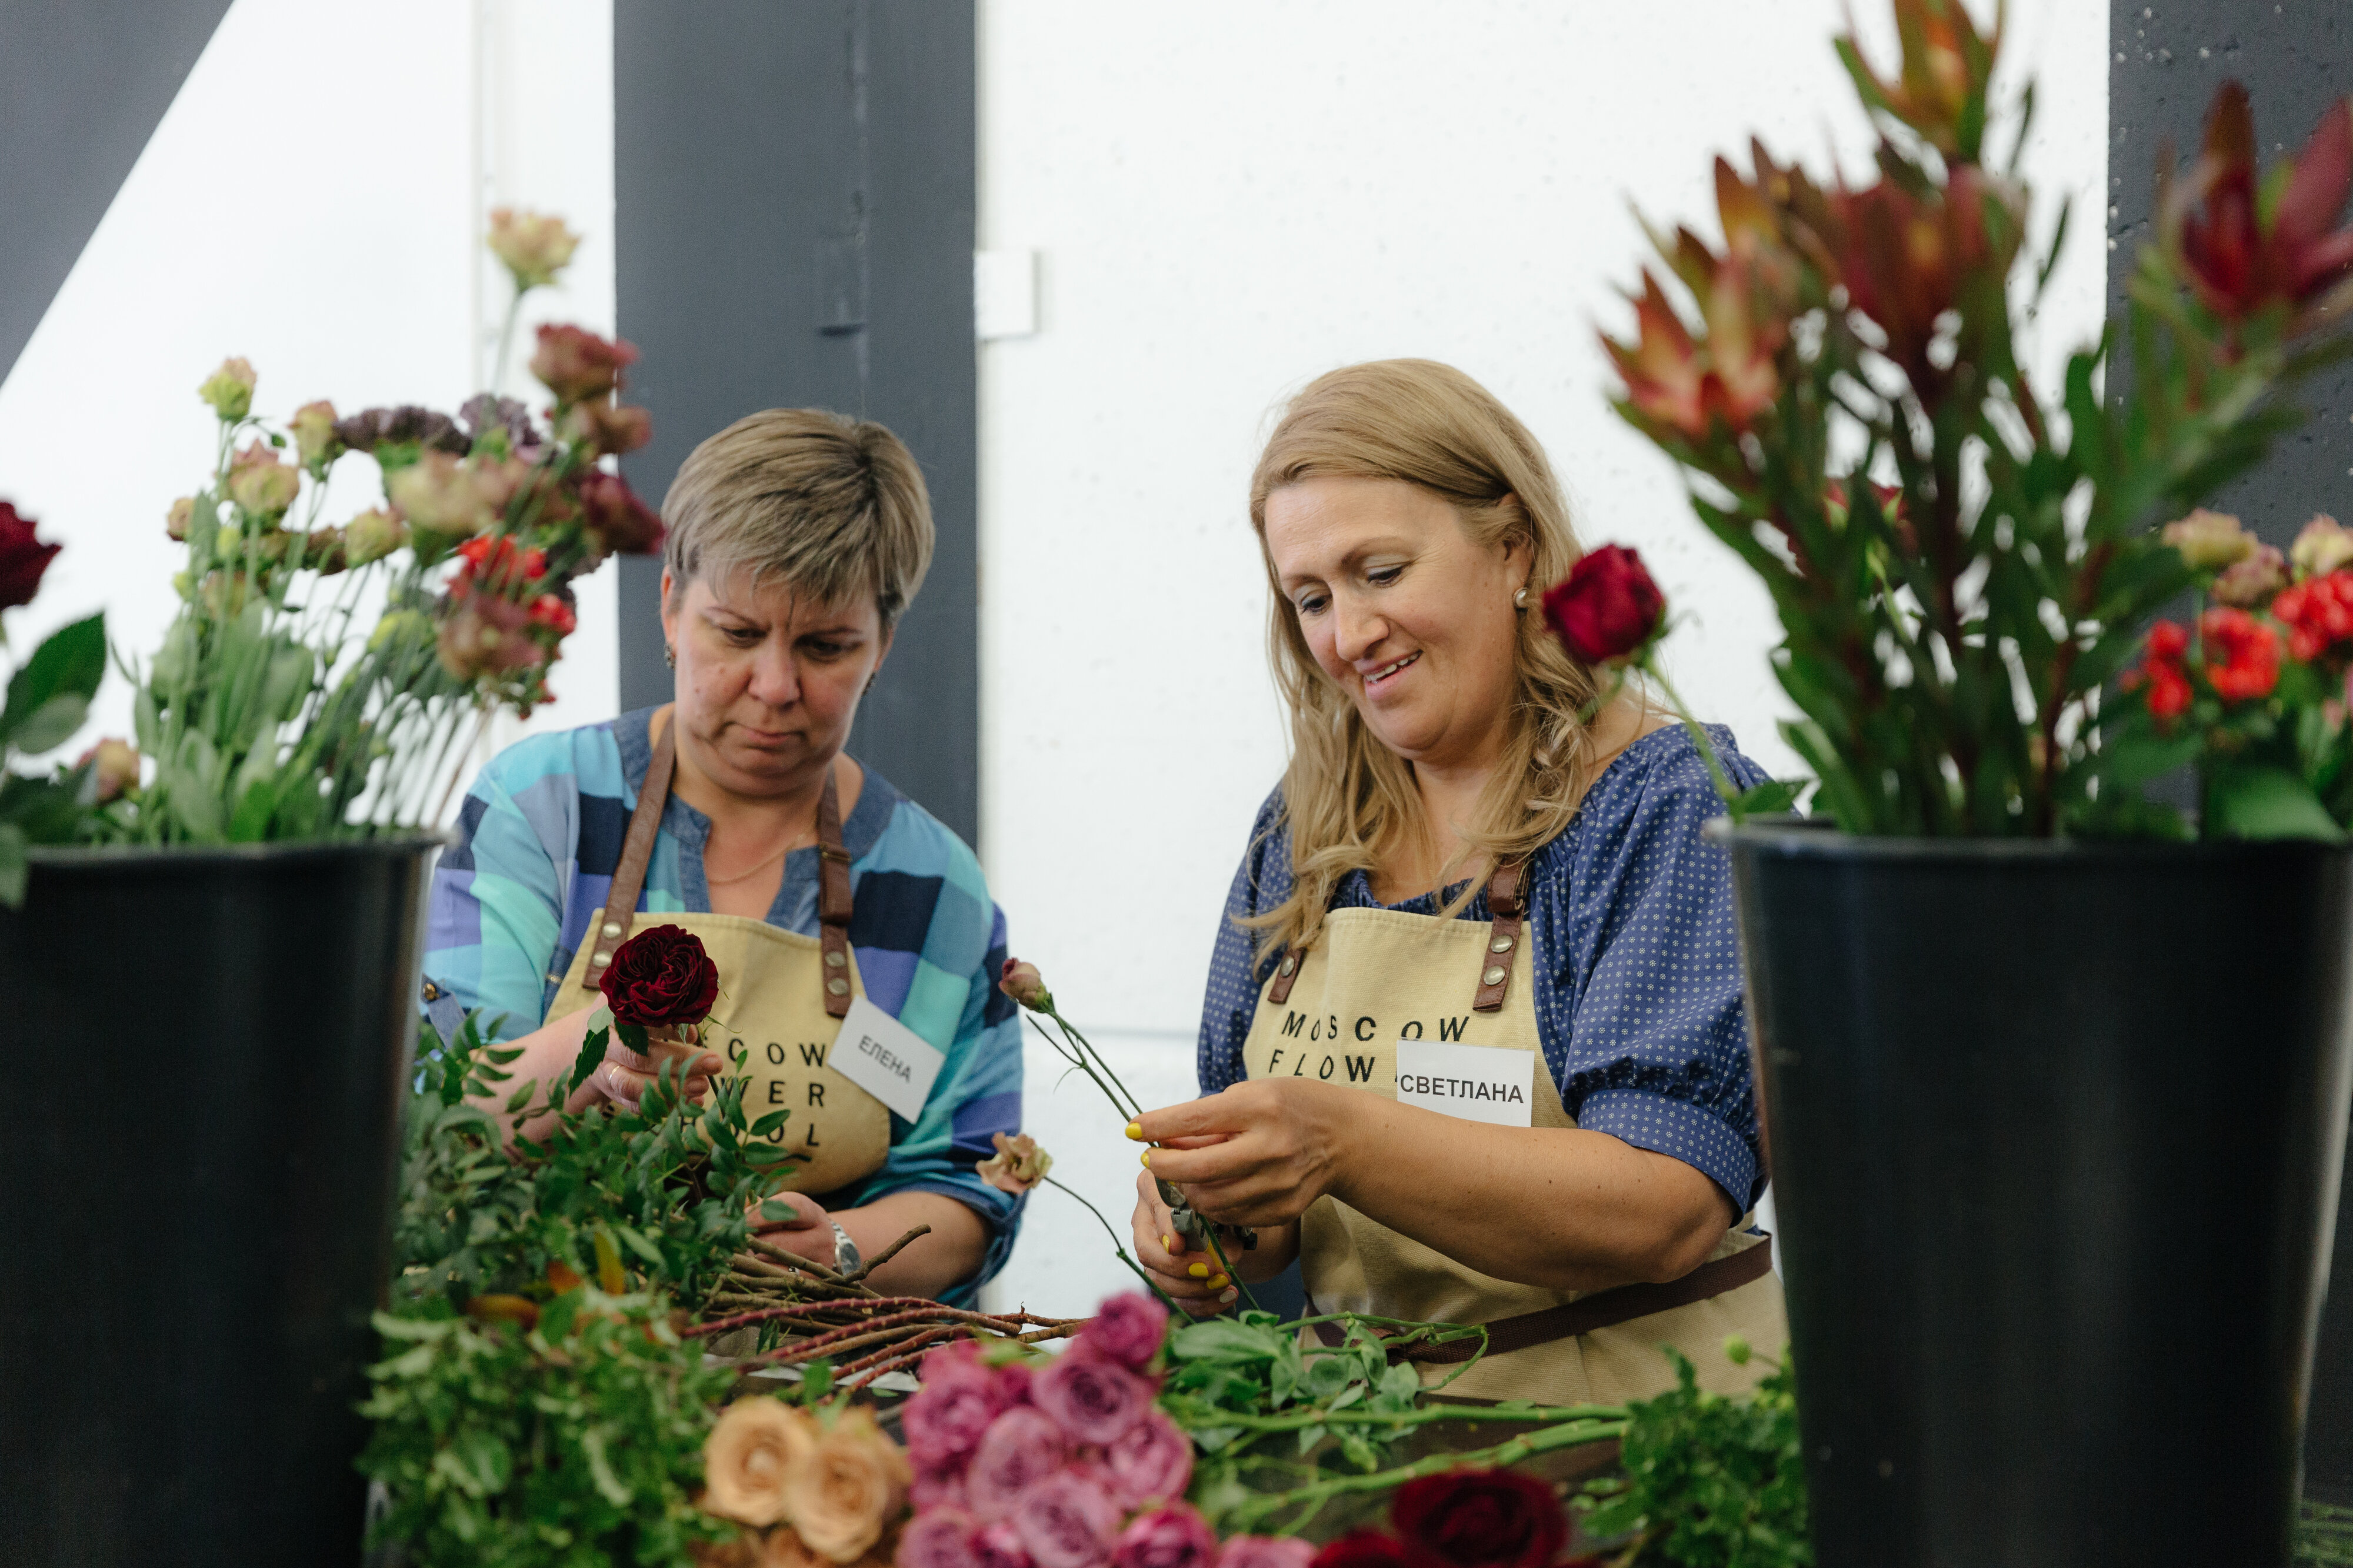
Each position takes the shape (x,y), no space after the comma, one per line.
(71,662)
(2263,803)
(1772,798)
(592,1446)
(1221,1339)
(53,723)
(768,1124)
(591,1052)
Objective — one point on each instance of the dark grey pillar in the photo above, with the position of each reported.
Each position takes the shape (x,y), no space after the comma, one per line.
(2296,57)
(795,188)
(82,84)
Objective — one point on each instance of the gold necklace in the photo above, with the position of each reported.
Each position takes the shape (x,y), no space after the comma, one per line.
(788,847)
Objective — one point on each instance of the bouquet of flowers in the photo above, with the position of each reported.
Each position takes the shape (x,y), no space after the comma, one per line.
(48,696)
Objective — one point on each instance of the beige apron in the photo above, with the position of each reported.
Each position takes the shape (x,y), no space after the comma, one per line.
(1335,1014)
(782,995)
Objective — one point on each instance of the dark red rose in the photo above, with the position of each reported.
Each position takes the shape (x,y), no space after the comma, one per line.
(622,523)
(1607,607)
(660,977)
(577,365)
(1364,1549)
(22,558)
(1480,1518)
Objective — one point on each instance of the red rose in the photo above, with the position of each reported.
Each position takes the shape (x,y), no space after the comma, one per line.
(2242,655)
(621,523)
(660,977)
(22,558)
(1364,1549)
(577,365)
(1607,607)
(1480,1518)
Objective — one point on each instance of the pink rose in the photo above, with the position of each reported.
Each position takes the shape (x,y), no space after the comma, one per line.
(1020,1448)
(1171,1537)
(1151,1461)
(945,1420)
(1265,1552)
(998,1546)
(1094,1401)
(1126,1328)
(937,1488)
(1066,1520)
(938,1538)
(1014,1381)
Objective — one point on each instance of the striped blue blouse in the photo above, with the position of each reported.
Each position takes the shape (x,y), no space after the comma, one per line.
(538,839)
(1637,978)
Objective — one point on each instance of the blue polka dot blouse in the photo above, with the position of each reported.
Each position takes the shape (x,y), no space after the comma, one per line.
(1638,982)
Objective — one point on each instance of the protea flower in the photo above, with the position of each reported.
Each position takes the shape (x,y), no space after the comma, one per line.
(2245,245)
(1906,259)
(1940,88)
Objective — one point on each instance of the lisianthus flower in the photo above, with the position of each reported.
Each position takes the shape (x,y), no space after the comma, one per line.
(372,427)
(534,246)
(487,633)
(229,390)
(606,427)
(1020,980)
(315,441)
(577,365)
(622,524)
(372,535)
(113,767)
(2322,546)
(2249,583)
(2209,540)
(260,483)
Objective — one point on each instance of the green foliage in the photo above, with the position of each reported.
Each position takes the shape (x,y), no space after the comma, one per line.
(49,699)
(1710,1482)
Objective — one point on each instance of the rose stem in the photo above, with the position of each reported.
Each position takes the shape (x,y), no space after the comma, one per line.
(1699,736)
(806,1265)
(1078,1059)
(1569,1435)
(1115,1247)
(1209,1235)
(888,1253)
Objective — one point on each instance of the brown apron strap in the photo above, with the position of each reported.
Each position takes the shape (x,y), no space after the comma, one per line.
(833,903)
(637,850)
(1602,1310)
(1504,890)
(1286,975)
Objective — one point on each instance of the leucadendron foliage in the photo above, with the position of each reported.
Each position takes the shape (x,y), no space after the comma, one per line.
(1962,558)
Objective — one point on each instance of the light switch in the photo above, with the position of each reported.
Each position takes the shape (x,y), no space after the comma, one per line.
(1004,293)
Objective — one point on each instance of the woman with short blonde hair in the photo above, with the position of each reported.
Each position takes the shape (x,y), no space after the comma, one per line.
(1474,1048)
(829,899)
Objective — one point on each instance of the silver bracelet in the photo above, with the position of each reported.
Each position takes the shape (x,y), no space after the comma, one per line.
(846,1258)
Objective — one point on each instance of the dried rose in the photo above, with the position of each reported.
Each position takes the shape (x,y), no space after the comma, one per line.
(1127,1329)
(1264,1552)
(938,1538)
(1018,1165)
(1021,981)
(622,523)
(577,365)
(1090,1399)
(176,519)
(750,1454)
(660,977)
(606,427)
(1066,1520)
(113,767)
(229,390)
(1020,1448)
(315,441)
(852,1484)
(1151,1461)
(2206,540)
(1480,1518)
(959,1398)
(260,483)
(1175,1536)
(2248,583)
(1607,608)
(372,535)
(22,558)
(536,246)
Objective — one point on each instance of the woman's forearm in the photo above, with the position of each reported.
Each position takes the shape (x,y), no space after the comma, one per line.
(931,1264)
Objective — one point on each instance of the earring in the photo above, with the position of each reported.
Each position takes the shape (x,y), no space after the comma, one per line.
(670,655)
(1520,599)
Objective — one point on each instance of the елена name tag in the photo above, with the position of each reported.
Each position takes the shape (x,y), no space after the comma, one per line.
(886,1059)
(1478,1083)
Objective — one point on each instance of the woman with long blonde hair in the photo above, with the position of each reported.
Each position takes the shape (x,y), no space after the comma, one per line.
(1474,1046)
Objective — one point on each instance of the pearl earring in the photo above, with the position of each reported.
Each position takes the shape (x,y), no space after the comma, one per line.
(1520,599)
(670,655)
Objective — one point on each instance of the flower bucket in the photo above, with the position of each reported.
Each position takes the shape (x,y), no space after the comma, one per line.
(209,1048)
(2056,1133)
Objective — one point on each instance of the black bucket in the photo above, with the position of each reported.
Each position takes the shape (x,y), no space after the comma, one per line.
(207,1051)
(2056,1133)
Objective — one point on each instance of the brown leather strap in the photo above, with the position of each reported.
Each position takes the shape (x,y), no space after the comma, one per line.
(833,903)
(1602,1310)
(1286,975)
(1503,889)
(637,850)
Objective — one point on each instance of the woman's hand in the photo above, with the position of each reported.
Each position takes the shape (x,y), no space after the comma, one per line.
(1189,1279)
(623,1075)
(809,1234)
(1259,1152)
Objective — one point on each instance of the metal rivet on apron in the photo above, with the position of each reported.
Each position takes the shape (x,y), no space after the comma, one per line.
(838,985)
(835,961)
(432,992)
(1288,965)
(612,928)
(600,961)
(1500,944)
(1495,976)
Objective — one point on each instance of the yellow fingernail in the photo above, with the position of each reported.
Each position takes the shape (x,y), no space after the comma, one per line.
(1219,1283)
(1167,1244)
(1199,1271)
(1135,1130)
(1148,1159)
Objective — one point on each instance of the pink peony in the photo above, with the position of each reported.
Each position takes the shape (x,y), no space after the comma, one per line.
(1066,1520)
(1020,1448)
(938,1538)
(1265,1552)
(1171,1537)
(1092,1400)
(1151,1461)
(998,1546)
(945,1420)
(1126,1328)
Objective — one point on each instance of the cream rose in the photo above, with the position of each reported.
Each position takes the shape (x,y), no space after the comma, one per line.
(752,1456)
(849,1489)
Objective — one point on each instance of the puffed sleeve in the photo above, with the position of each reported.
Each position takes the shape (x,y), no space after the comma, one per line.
(1260,882)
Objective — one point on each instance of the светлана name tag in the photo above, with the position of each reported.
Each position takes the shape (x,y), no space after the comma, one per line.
(886,1059)
(1478,1083)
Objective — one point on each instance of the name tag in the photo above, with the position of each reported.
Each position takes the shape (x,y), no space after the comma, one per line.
(1477,1083)
(886,1059)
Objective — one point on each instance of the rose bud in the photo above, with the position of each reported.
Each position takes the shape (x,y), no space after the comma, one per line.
(605,428)
(2208,540)
(372,535)
(315,442)
(1021,981)
(1018,1165)
(2326,545)
(261,484)
(22,558)
(622,523)
(438,492)
(229,390)
(113,767)
(536,246)
(1608,608)
(577,365)
(176,521)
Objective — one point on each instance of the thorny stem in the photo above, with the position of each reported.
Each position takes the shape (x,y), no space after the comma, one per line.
(1115,1247)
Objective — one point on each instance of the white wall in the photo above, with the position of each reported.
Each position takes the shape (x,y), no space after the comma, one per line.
(312,201)
(1229,199)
